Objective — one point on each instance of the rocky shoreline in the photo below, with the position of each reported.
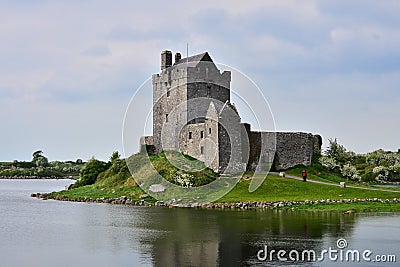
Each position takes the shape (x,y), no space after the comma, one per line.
(123,200)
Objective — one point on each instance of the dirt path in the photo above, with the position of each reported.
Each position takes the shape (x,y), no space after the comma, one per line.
(332,184)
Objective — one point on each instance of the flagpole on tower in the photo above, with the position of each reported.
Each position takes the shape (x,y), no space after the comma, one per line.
(187,52)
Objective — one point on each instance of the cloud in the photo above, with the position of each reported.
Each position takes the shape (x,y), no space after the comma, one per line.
(285,39)
(131,34)
(325,66)
(361,12)
(97,50)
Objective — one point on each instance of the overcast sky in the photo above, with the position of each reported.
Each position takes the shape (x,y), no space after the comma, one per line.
(69,68)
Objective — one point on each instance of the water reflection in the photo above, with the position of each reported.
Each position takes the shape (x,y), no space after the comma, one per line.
(212,237)
(53,233)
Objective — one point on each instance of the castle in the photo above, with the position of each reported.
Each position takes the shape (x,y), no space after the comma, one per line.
(193,114)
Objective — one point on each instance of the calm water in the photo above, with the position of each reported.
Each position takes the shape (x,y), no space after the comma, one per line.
(34,232)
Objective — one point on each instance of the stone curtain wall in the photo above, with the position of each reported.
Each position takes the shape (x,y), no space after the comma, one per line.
(291,149)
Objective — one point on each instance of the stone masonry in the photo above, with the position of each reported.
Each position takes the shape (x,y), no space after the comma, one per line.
(192,113)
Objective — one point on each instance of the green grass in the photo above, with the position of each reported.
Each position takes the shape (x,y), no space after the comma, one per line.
(117,180)
(276,188)
(343,207)
(168,164)
(318,173)
(100,191)
(397,188)
(115,183)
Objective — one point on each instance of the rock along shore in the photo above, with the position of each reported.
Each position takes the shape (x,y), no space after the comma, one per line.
(123,200)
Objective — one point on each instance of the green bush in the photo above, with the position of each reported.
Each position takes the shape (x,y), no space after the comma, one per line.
(360,159)
(23,164)
(368,175)
(362,166)
(90,171)
(350,172)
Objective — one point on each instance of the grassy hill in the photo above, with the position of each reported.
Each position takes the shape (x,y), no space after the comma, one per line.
(117,181)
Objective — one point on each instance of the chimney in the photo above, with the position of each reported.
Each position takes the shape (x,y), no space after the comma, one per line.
(166,59)
(177,57)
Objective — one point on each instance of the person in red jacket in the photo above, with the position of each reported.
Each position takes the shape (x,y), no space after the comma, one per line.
(304,175)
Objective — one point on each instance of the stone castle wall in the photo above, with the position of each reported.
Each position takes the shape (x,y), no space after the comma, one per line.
(291,149)
(169,92)
(182,93)
(195,97)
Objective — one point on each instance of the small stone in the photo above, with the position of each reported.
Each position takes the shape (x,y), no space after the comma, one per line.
(157,188)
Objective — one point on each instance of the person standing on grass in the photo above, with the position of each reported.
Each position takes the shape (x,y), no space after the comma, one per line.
(304,175)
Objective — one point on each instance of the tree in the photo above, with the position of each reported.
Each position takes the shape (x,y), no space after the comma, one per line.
(350,172)
(90,171)
(116,163)
(115,156)
(41,162)
(338,152)
(39,159)
(37,154)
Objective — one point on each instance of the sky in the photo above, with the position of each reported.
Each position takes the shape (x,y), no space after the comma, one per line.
(70,68)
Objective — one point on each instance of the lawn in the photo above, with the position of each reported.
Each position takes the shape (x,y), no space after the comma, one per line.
(276,188)
(273,189)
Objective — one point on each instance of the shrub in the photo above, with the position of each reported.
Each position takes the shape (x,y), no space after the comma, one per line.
(360,159)
(350,172)
(368,175)
(362,166)
(328,162)
(23,164)
(90,171)
(382,158)
(382,173)
(184,179)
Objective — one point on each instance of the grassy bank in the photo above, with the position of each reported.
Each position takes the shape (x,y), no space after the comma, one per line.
(343,207)
(117,181)
(100,191)
(274,189)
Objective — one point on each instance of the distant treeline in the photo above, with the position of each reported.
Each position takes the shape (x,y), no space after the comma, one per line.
(40,167)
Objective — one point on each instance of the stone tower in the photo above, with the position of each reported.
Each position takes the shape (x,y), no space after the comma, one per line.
(192,114)
(184,93)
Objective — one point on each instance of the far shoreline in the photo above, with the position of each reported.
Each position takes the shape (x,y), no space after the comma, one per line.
(36,178)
